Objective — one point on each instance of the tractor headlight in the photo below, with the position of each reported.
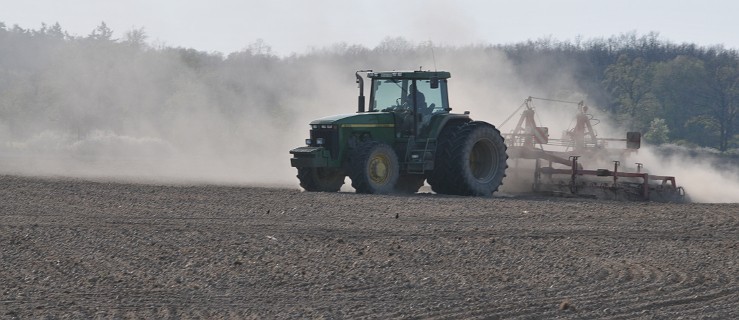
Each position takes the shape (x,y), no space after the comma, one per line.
(320,141)
(308,142)
(323,126)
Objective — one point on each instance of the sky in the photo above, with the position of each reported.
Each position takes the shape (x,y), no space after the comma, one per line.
(297,26)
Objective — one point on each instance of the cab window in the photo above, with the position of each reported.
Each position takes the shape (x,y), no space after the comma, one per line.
(435,102)
(387,93)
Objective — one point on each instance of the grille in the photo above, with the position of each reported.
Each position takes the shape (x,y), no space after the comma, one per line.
(330,138)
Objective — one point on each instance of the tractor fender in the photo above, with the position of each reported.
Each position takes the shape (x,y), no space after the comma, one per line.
(483,123)
(448,121)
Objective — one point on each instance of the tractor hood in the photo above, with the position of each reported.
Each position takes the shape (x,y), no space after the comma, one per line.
(357,118)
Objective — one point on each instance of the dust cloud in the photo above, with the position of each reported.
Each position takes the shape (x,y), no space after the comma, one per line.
(175,115)
(110,110)
(702,176)
(115,111)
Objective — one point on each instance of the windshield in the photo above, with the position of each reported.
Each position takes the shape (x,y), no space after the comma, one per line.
(391,94)
(387,93)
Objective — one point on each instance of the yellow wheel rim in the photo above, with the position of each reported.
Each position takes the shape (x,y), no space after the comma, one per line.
(378,168)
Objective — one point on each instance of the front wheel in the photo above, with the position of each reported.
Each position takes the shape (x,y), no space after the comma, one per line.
(374,168)
(321,179)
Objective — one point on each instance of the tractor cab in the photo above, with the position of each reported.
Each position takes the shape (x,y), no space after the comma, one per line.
(413,97)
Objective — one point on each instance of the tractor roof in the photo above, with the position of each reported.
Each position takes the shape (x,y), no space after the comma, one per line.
(409,75)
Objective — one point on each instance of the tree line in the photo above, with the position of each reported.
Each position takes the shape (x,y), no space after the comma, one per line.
(683,94)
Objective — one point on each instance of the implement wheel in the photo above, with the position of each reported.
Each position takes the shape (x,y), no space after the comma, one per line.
(374,168)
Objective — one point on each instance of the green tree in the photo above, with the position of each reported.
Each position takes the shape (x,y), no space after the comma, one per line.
(680,87)
(723,87)
(658,132)
(629,84)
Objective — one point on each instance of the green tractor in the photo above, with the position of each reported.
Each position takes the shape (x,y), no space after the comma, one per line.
(407,136)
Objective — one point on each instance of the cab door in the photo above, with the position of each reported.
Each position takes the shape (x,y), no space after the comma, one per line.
(429,101)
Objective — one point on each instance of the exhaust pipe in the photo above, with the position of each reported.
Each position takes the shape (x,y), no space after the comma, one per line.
(360,99)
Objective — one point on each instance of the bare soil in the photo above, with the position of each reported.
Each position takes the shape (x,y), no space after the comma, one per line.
(93,249)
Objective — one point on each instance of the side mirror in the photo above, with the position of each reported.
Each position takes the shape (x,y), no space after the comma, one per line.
(434,83)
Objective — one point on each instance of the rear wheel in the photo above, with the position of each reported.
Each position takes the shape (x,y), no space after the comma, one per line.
(321,179)
(436,177)
(374,168)
(471,162)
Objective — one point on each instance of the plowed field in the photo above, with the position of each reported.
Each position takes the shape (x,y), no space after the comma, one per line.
(90,249)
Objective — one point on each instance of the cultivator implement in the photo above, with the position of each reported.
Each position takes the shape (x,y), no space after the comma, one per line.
(558,164)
